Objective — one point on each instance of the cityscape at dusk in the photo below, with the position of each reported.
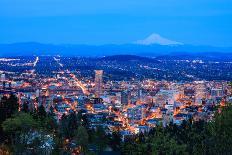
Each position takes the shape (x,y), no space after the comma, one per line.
(115,77)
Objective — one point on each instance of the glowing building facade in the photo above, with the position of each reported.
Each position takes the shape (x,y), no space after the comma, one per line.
(98,82)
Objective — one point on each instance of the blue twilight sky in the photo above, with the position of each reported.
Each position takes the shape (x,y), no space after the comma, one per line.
(198,22)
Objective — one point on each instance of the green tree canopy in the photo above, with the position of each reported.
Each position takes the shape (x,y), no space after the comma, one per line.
(163,143)
(220,129)
(82,138)
(21,122)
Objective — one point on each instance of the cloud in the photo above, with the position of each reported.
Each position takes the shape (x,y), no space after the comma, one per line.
(157,39)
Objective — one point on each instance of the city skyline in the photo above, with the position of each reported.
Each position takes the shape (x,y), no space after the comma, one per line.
(103,105)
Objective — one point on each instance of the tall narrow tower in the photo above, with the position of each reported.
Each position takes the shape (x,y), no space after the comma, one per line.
(125,97)
(98,82)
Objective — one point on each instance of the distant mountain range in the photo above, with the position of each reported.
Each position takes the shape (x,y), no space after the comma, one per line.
(153,50)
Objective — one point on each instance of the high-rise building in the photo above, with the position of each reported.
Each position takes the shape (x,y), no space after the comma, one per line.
(3,77)
(200,93)
(136,113)
(140,94)
(37,93)
(98,82)
(217,92)
(125,97)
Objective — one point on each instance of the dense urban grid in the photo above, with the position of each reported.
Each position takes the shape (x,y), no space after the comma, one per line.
(114,104)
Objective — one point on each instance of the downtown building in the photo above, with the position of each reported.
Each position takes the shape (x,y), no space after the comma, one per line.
(98,83)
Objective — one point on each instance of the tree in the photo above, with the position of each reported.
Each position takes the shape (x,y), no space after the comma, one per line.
(3,109)
(25,107)
(82,119)
(3,116)
(72,123)
(64,130)
(196,138)
(41,112)
(115,141)
(220,140)
(162,143)
(51,111)
(129,148)
(50,124)
(100,138)
(18,126)
(8,106)
(82,138)
(68,125)
(12,104)
(21,122)
(58,145)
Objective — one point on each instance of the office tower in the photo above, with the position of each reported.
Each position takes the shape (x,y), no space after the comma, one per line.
(140,94)
(136,114)
(200,93)
(125,97)
(216,92)
(3,77)
(98,82)
(37,93)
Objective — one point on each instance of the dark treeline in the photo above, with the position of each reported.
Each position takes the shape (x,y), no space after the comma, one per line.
(37,132)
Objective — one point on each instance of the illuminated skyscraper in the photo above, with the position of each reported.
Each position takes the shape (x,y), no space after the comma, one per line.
(216,92)
(125,97)
(98,82)
(140,94)
(200,93)
(3,77)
